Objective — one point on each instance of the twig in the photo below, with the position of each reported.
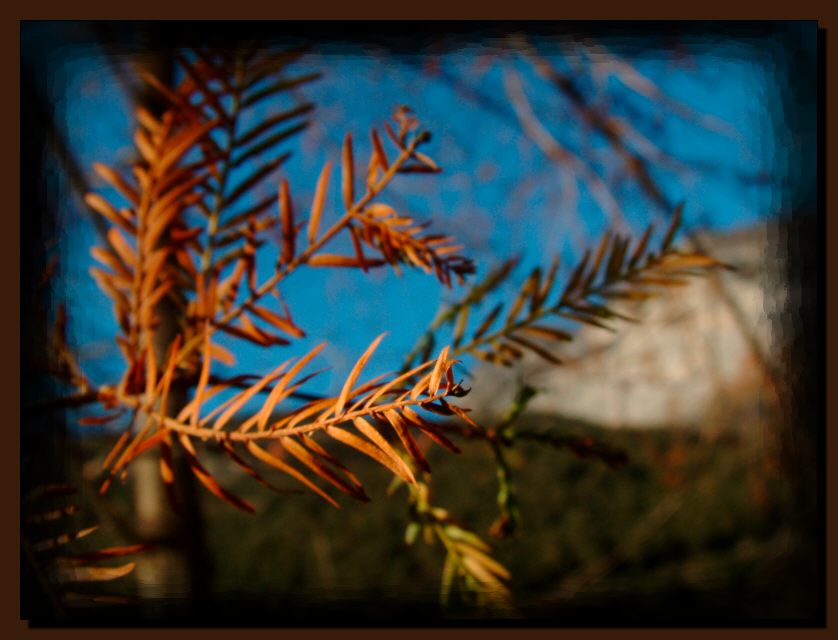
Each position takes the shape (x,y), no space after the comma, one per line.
(347,217)
(556,152)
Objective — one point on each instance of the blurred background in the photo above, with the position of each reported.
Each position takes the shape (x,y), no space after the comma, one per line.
(548,134)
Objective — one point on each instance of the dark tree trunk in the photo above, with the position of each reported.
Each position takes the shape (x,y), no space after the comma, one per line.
(181,568)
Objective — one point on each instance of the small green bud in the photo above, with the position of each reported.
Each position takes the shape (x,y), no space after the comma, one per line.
(411,532)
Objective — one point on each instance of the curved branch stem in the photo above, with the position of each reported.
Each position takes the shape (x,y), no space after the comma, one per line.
(207,433)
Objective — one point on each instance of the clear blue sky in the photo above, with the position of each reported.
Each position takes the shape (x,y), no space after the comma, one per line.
(498,193)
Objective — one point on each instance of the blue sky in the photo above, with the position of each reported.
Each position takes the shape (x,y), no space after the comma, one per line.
(498,194)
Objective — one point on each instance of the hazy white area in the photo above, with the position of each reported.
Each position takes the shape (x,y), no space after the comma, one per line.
(693,360)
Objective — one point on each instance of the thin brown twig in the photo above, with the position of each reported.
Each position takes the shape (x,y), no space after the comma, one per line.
(559,154)
(347,217)
(635,163)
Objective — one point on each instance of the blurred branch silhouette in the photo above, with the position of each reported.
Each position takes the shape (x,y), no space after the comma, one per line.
(193,256)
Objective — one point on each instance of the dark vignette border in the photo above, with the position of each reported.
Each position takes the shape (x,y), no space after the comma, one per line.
(804,240)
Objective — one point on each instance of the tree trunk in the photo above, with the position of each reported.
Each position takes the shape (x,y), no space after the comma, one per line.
(179,568)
